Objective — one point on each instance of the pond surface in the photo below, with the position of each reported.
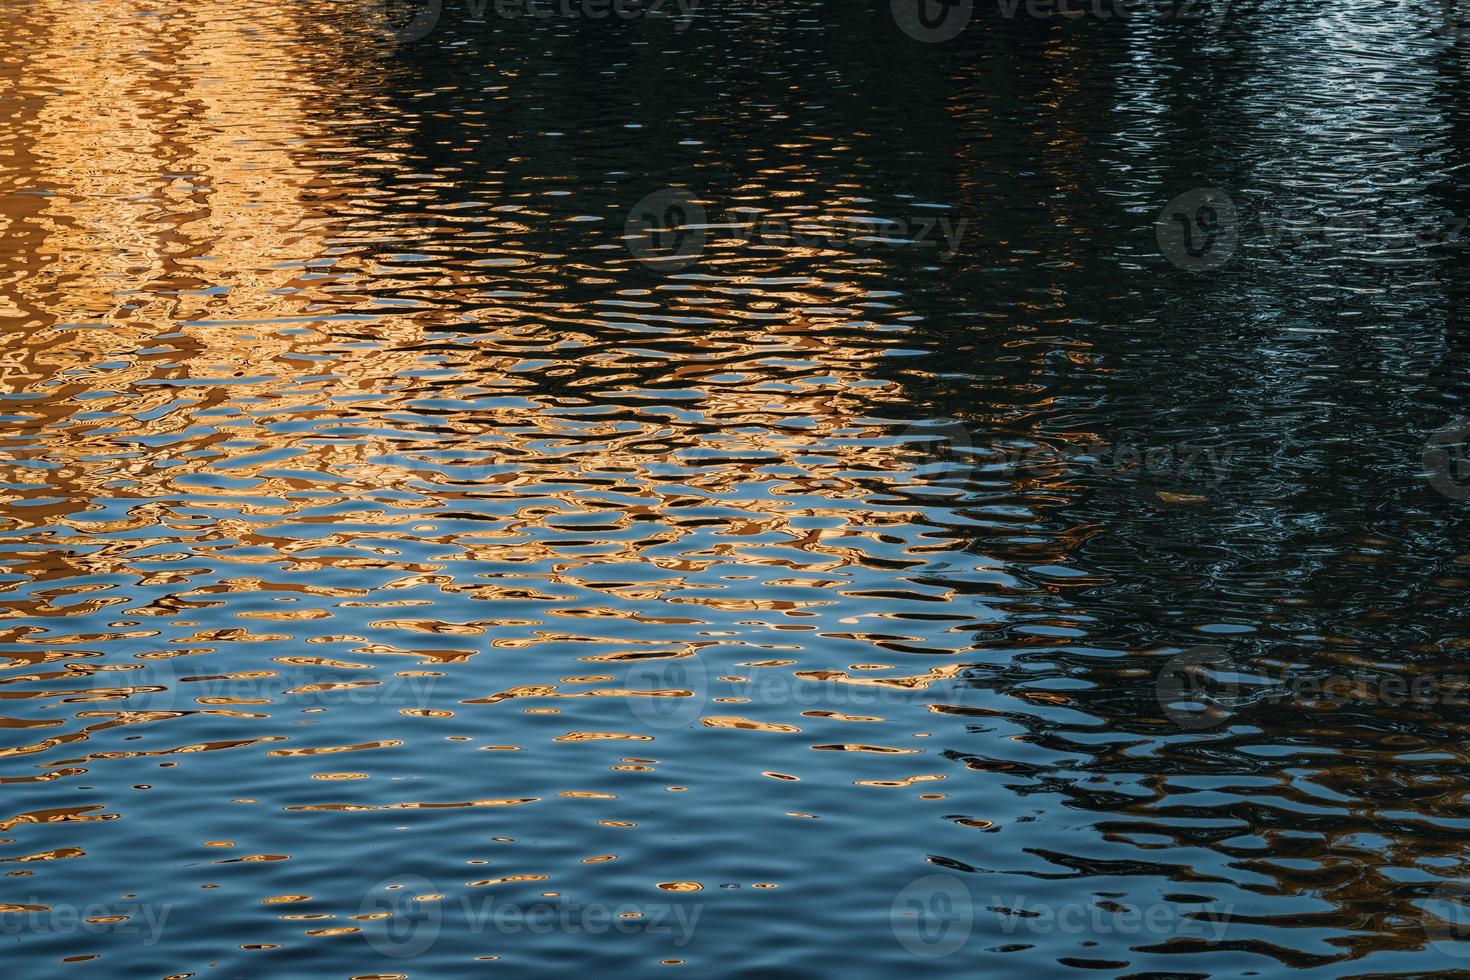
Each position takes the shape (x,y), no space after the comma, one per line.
(744,488)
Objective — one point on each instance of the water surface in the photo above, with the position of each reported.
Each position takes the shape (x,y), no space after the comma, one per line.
(405,576)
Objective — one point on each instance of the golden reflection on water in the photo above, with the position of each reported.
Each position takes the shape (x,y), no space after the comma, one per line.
(364,501)
(232,440)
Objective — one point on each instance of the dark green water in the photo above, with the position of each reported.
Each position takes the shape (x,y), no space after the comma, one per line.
(745,492)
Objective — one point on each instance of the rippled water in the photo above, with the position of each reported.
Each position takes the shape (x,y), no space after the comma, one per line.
(886,547)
